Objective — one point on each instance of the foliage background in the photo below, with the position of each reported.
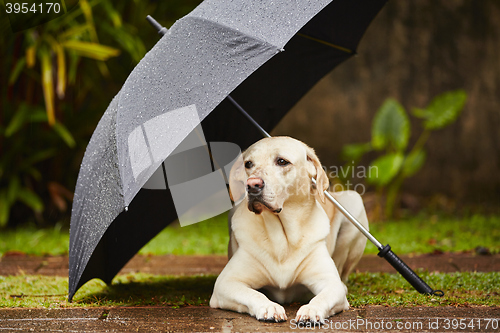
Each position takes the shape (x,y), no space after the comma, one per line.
(56,81)
(411,52)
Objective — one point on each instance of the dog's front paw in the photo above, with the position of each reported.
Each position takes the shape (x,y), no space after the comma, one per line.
(271,312)
(312,313)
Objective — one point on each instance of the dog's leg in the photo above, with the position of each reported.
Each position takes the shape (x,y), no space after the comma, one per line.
(348,250)
(237,292)
(321,277)
(237,296)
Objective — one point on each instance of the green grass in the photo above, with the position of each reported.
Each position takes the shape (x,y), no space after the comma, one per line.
(428,234)
(414,235)
(138,289)
(461,289)
(208,237)
(422,234)
(30,240)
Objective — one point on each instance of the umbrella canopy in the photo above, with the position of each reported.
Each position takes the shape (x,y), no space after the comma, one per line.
(266,54)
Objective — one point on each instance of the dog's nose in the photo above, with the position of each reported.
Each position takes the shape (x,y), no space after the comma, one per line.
(255,185)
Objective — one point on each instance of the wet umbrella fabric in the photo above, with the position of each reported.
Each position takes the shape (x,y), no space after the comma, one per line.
(221,47)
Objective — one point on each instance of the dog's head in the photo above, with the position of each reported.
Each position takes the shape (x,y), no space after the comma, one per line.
(275,170)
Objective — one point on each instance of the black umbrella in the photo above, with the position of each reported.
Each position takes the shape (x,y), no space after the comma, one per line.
(266,54)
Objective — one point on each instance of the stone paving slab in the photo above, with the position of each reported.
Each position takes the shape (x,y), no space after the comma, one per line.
(205,319)
(213,264)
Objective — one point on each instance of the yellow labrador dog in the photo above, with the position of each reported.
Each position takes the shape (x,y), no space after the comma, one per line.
(287,241)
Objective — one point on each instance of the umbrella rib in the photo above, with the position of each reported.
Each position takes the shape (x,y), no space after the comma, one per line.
(341,48)
(161,29)
(213,162)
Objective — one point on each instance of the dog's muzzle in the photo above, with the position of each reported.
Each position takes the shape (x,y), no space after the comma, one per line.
(256,203)
(255,186)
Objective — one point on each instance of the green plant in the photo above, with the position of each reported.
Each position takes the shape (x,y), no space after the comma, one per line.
(44,87)
(390,136)
(52,45)
(18,170)
(57,80)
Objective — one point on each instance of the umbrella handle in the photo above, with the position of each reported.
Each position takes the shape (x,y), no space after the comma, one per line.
(407,272)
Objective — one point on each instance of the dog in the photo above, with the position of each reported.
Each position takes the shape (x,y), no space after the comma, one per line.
(287,243)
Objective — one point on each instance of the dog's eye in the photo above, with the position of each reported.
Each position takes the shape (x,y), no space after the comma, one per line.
(248,164)
(282,162)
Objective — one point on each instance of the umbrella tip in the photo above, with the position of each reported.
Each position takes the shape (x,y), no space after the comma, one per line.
(161,29)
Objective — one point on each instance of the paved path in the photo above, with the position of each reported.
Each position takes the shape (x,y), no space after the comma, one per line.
(192,265)
(204,319)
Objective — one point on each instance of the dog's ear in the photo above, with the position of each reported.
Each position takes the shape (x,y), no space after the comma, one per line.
(322,182)
(237,179)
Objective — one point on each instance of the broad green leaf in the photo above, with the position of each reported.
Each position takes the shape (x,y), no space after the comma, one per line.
(61,69)
(37,116)
(113,14)
(355,151)
(48,85)
(103,68)
(18,120)
(61,65)
(17,70)
(443,109)
(35,173)
(413,163)
(385,168)
(30,199)
(25,114)
(13,190)
(87,10)
(72,67)
(391,127)
(69,17)
(419,113)
(31,56)
(61,73)
(74,32)
(63,3)
(64,134)
(4,209)
(128,41)
(91,50)
(37,157)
